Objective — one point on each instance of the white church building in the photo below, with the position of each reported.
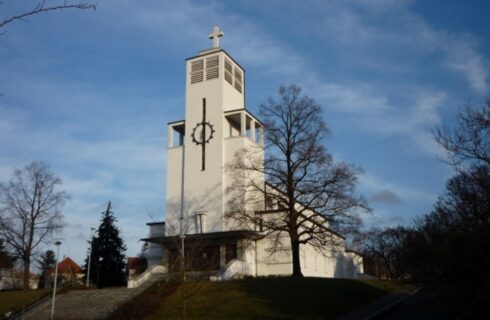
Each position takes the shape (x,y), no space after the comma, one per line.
(217,125)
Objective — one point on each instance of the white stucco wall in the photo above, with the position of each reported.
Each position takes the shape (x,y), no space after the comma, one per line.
(330,262)
(174,188)
(203,189)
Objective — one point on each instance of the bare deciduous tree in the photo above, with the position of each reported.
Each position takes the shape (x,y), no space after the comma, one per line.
(385,246)
(41,7)
(470,140)
(30,211)
(314,193)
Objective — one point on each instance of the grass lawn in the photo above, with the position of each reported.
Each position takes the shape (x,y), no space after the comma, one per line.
(262,298)
(15,299)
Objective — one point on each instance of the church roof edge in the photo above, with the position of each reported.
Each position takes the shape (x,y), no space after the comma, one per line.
(175,121)
(155,223)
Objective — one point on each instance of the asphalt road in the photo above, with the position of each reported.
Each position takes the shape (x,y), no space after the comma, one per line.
(424,305)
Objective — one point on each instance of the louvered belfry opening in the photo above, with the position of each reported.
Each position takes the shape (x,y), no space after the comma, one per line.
(233,75)
(197,70)
(212,67)
(208,68)
(238,80)
(228,72)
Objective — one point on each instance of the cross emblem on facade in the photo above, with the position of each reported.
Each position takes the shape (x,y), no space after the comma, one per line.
(215,35)
(202,133)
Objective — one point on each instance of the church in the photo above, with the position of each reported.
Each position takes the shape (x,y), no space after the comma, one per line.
(217,124)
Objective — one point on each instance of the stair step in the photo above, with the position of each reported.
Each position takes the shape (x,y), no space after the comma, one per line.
(82,304)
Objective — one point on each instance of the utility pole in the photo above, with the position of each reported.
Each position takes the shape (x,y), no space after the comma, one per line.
(182,269)
(90,254)
(57,244)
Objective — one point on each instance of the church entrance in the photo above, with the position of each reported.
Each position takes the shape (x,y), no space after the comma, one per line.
(196,259)
(230,252)
(204,252)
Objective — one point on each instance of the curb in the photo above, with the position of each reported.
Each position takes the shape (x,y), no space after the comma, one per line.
(391,305)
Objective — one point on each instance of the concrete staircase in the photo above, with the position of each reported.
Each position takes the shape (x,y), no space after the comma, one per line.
(82,304)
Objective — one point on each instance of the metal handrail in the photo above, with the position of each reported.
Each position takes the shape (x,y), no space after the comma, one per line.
(19,313)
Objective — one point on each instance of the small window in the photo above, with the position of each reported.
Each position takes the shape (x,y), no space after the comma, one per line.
(234,125)
(178,135)
(258,134)
(200,222)
(269,204)
(248,127)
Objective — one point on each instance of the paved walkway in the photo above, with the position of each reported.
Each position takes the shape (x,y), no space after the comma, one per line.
(373,309)
(420,304)
(425,305)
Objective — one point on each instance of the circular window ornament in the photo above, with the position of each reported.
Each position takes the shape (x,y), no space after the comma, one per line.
(202,133)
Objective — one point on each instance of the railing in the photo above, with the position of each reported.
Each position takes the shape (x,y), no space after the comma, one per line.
(20,313)
(147,275)
(233,270)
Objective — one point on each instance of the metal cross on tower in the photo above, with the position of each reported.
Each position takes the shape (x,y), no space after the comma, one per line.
(215,35)
(202,133)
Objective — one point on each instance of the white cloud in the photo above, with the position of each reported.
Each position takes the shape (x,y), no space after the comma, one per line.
(372,111)
(386,196)
(366,31)
(406,193)
(463,58)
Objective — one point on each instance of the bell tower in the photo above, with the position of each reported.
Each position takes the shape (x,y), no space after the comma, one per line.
(198,145)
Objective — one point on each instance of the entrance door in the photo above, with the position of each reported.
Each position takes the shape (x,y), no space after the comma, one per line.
(196,259)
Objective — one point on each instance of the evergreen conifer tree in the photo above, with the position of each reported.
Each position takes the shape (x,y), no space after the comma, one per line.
(46,263)
(107,267)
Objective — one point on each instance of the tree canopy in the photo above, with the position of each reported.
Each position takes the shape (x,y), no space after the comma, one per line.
(107,266)
(315,192)
(46,263)
(469,141)
(449,248)
(30,207)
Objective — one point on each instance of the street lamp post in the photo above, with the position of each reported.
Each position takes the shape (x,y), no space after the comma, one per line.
(99,260)
(57,243)
(90,255)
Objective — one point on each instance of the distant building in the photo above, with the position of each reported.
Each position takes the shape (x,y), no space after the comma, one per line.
(10,279)
(69,272)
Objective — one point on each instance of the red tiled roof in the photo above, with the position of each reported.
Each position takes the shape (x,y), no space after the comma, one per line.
(68,266)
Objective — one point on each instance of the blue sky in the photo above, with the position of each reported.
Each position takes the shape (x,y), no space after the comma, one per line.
(90,93)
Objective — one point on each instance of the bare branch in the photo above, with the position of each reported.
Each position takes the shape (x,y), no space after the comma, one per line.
(41,8)
(306,193)
(469,142)
(30,207)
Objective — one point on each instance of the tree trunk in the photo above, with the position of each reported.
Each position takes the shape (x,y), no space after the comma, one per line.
(296,257)
(27,266)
